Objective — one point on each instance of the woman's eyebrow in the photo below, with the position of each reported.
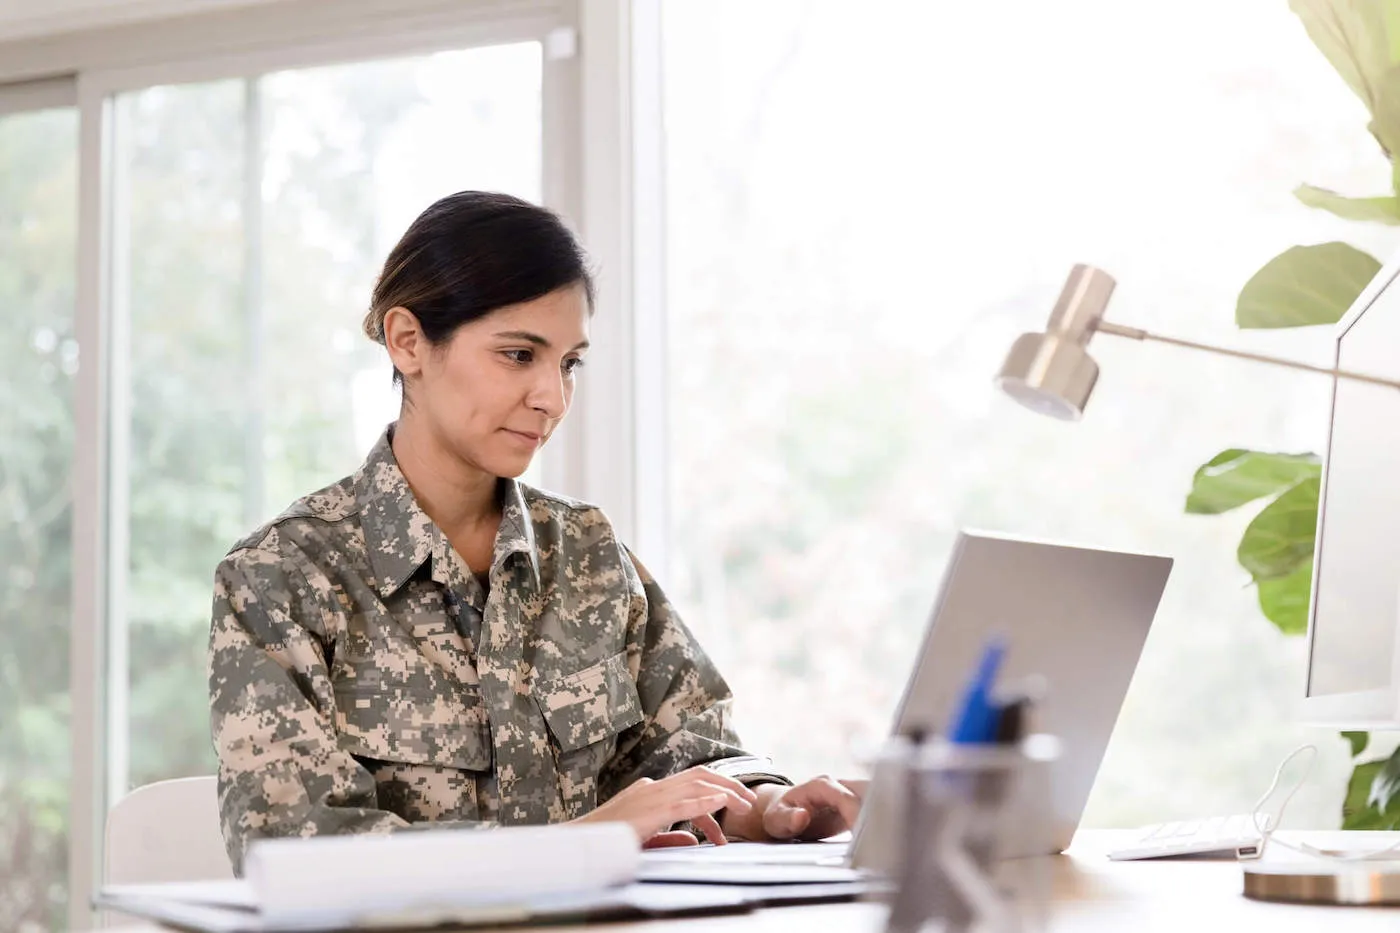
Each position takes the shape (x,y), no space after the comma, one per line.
(536,339)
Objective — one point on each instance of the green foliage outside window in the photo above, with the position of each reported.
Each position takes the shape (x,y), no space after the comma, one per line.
(199,398)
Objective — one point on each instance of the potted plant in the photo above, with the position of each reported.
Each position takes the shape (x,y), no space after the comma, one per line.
(1309,286)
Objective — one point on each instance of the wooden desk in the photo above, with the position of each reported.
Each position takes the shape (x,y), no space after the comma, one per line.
(1088,893)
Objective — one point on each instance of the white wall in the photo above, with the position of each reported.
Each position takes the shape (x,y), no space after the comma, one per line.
(20,19)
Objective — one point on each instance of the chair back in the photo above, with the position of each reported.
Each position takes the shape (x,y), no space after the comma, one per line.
(167,831)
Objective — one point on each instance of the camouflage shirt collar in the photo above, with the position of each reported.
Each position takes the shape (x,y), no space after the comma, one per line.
(517,531)
(399,535)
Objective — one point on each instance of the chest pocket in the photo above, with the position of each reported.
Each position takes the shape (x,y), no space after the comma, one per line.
(589,708)
(442,723)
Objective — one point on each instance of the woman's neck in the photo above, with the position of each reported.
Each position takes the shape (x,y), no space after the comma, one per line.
(458,497)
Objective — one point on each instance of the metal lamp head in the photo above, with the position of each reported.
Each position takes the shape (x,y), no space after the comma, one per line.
(1051,372)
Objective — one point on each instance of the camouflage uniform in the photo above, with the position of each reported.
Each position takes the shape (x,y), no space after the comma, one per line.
(361,679)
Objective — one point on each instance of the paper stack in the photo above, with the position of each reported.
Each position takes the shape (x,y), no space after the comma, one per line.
(421,879)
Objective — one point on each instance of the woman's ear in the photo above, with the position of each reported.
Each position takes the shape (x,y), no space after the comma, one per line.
(405,341)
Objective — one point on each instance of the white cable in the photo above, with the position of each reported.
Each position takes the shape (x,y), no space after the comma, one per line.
(1254,811)
(1266,832)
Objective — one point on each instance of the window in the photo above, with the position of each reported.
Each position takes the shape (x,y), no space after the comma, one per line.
(38,357)
(206,224)
(257,212)
(866,203)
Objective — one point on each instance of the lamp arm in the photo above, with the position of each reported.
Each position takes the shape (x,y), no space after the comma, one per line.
(1134,333)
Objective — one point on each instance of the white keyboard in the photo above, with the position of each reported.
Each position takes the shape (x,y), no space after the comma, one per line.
(1233,835)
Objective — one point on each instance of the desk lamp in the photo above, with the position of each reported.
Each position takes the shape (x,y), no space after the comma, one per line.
(1052,373)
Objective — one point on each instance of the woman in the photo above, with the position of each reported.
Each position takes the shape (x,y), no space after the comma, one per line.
(430,642)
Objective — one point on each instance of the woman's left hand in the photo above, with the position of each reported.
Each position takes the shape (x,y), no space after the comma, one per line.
(813,810)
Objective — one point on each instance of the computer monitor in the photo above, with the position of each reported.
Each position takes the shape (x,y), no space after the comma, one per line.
(1353,678)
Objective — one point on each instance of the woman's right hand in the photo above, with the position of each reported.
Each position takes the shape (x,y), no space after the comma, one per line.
(653,807)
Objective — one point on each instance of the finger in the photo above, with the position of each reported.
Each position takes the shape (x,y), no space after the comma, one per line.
(736,802)
(822,793)
(783,821)
(692,808)
(670,840)
(845,801)
(857,786)
(710,776)
(698,782)
(708,825)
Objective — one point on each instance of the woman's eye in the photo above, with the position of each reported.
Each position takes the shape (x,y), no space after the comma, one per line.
(519,356)
(572,365)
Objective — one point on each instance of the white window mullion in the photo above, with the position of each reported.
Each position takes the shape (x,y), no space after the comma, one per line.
(561,465)
(605,416)
(87,651)
(116,304)
(648,256)
(598,455)
(594,455)
(254,498)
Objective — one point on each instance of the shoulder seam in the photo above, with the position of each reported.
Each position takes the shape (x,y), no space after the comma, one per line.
(288,564)
(251,543)
(568,502)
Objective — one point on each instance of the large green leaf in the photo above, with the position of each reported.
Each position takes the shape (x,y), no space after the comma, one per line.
(1358,741)
(1280,539)
(1385,785)
(1284,600)
(1352,35)
(1385,210)
(1235,477)
(1385,113)
(1361,40)
(1390,18)
(1357,812)
(1305,285)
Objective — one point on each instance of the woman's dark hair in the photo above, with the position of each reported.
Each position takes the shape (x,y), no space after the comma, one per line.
(472,253)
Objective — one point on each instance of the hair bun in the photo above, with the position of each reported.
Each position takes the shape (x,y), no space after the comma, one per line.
(374,325)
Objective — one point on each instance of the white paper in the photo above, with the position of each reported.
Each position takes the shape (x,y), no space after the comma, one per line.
(185,915)
(370,879)
(229,893)
(211,908)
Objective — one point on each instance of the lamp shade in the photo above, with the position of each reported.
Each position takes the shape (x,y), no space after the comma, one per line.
(1051,372)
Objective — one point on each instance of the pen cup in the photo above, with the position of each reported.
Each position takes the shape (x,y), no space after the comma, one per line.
(950,817)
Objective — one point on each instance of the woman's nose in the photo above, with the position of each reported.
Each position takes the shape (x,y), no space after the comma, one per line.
(548,396)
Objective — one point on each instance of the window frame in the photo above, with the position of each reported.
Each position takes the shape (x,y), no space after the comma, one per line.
(39,94)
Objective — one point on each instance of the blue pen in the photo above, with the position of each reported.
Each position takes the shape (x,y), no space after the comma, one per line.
(977,718)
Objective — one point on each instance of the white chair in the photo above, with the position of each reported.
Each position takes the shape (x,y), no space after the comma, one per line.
(166,831)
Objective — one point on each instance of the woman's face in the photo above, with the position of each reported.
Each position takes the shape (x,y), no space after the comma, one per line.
(495,392)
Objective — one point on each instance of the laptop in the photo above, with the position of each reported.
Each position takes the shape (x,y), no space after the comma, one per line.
(1074,618)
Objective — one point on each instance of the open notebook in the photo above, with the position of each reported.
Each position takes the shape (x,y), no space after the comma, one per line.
(422,879)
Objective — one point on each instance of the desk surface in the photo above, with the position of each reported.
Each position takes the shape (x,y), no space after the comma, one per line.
(1088,893)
